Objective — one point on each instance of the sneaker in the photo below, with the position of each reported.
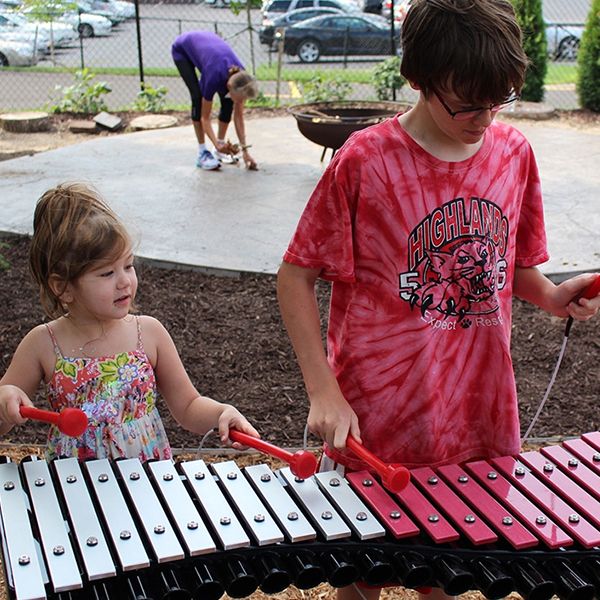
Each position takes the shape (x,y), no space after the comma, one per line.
(227,159)
(207,161)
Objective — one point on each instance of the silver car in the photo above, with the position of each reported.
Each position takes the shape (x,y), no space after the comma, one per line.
(563,40)
(17,54)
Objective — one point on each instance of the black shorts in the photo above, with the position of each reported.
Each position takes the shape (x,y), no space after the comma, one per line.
(187,70)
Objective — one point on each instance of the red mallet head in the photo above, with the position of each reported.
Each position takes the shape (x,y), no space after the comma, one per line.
(72,422)
(303,464)
(395,479)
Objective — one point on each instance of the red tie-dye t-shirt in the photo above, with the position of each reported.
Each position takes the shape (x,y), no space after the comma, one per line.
(422,253)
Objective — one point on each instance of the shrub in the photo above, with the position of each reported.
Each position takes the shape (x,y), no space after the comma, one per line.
(83,96)
(588,84)
(150,99)
(387,78)
(325,89)
(529,15)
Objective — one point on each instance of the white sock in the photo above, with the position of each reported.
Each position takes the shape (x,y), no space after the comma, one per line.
(201,148)
(220,141)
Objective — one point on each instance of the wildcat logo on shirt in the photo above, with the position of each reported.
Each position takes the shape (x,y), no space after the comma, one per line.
(456,261)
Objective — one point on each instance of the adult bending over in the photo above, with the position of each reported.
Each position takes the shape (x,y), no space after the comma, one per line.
(222,73)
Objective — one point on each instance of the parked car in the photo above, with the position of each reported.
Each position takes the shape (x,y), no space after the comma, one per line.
(266,33)
(273,8)
(17,54)
(339,35)
(62,34)
(87,24)
(101,8)
(563,40)
(10,31)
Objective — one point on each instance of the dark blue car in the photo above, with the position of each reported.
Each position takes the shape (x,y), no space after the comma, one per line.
(340,35)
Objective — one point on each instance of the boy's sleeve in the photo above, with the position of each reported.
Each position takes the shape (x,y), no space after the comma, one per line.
(531,245)
(323,237)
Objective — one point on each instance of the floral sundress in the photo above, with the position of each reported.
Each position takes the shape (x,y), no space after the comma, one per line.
(118,394)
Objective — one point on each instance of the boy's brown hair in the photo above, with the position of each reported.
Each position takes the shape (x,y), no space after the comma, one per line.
(73,230)
(472,48)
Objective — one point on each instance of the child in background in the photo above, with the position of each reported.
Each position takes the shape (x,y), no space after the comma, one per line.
(427,224)
(95,355)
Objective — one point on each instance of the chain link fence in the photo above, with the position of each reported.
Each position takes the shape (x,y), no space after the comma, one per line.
(131,51)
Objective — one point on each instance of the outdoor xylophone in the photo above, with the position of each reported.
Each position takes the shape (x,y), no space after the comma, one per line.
(162,530)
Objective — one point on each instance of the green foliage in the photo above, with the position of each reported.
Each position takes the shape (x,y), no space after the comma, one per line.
(43,10)
(588,84)
(529,15)
(4,264)
(150,99)
(83,96)
(237,6)
(387,78)
(261,101)
(321,88)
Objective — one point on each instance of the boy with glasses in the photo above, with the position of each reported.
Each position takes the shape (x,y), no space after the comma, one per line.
(427,224)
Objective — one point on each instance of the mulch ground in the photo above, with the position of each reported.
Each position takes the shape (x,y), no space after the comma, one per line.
(232,341)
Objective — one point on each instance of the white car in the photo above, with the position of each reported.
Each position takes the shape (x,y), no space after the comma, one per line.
(37,40)
(563,40)
(62,34)
(17,54)
(87,24)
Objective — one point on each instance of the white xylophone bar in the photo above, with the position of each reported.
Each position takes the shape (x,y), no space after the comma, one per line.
(58,551)
(181,509)
(23,568)
(239,491)
(158,528)
(125,537)
(293,522)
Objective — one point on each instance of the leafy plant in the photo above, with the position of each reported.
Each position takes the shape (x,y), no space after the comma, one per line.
(588,84)
(4,264)
(529,15)
(325,89)
(150,99)
(387,78)
(83,96)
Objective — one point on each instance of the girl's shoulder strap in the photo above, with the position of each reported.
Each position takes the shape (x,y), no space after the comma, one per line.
(54,342)
(140,344)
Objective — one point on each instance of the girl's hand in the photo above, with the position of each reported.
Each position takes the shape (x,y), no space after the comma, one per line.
(249,161)
(11,399)
(567,298)
(232,418)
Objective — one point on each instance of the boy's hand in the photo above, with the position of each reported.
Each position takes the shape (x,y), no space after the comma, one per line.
(568,301)
(231,418)
(332,419)
(11,399)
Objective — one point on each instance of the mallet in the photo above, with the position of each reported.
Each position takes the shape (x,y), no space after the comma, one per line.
(394,477)
(302,463)
(70,421)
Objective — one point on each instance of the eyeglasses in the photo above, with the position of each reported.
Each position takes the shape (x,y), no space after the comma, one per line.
(468,113)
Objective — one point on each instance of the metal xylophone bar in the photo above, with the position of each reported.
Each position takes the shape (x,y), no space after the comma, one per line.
(119,529)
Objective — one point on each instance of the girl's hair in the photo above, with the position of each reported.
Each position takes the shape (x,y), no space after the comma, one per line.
(470,47)
(73,230)
(243,83)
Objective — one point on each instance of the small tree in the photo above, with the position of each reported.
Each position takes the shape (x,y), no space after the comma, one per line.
(387,78)
(529,15)
(84,96)
(588,83)
(47,12)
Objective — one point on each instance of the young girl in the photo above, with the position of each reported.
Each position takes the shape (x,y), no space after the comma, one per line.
(94,354)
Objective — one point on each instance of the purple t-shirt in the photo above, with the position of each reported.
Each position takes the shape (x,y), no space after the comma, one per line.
(211,56)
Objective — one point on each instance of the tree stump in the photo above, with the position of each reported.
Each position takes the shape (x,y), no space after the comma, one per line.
(25,122)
